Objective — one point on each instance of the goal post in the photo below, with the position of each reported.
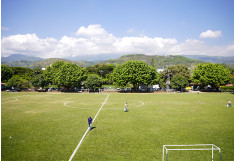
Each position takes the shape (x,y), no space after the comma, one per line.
(167,148)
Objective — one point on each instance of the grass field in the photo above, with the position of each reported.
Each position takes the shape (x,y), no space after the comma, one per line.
(48,126)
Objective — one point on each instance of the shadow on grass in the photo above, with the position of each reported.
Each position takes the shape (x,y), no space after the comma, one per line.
(93,128)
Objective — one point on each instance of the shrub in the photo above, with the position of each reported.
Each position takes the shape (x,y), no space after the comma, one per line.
(227,89)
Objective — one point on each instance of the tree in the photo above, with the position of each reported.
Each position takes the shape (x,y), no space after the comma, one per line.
(180,70)
(22,72)
(48,75)
(93,81)
(135,72)
(65,74)
(70,75)
(152,62)
(37,71)
(178,82)
(17,82)
(211,74)
(103,70)
(39,81)
(6,73)
(52,71)
(231,69)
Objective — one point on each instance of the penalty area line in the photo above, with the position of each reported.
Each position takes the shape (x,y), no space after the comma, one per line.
(80,142)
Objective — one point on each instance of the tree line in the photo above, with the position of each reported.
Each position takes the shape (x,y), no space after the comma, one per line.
(71,76)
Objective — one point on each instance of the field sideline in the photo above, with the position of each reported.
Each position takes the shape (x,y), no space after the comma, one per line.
(49,126)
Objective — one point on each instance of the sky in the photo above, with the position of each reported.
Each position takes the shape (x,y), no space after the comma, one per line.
(73,28)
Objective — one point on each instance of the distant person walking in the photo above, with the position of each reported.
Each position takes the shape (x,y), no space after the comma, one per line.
(90,121)
(229,104)
(126,105)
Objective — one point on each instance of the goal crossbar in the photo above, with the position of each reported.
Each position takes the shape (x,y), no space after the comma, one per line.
(213,147)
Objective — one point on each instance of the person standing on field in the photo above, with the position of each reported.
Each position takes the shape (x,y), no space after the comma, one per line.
(90,121)
(126,105)
(229,104)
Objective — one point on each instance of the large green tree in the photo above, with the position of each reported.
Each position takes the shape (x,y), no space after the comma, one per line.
(231,69)
(135,72)
(71,75)
(211,74)
(103,70)
(178,82)
(17,82)
(23,72)
(39,81)
(52,71)
(65,74)
(6,73)
(180,70)
(93,81)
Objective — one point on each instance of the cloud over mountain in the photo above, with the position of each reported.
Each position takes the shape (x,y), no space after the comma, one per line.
(94,39)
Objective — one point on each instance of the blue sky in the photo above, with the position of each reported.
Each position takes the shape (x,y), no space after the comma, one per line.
(62,28)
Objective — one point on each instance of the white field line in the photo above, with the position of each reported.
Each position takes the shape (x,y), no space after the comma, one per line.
(65,104)
(71,157)
(16,99)
(142,103)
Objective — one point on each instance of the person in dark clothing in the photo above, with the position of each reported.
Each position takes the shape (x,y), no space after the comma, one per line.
(90,121)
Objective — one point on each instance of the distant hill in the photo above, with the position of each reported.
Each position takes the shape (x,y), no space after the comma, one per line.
(19,57)
(159,61)
(44,63)
(213,59)
(26,64)
(94,58)
(48,62)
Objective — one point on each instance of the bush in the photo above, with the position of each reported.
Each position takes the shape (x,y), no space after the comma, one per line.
(227,89)
(17,82)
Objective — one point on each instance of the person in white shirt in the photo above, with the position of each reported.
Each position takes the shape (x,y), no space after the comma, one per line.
(126,105)
(229,104)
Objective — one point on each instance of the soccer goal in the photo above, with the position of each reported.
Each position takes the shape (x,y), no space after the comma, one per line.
(211,147)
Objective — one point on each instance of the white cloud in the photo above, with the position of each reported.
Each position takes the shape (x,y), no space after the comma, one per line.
(91,31)
(94,40)
(211,34)
(196,47)
(28,44)
(144,45)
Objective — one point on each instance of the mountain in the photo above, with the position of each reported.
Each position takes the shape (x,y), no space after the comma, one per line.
(47,62)
(213,59)
(44,63)
(159,61)
(94,58)
(19,57)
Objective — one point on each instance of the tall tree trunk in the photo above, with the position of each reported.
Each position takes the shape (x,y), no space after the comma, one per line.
(135,87)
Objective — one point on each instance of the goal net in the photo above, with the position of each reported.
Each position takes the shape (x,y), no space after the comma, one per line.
(196,147)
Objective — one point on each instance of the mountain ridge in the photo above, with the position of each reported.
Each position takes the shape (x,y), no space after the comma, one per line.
(156,60)
(213,59)
(19,57)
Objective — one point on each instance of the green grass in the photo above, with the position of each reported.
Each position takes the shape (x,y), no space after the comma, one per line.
(43,128)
